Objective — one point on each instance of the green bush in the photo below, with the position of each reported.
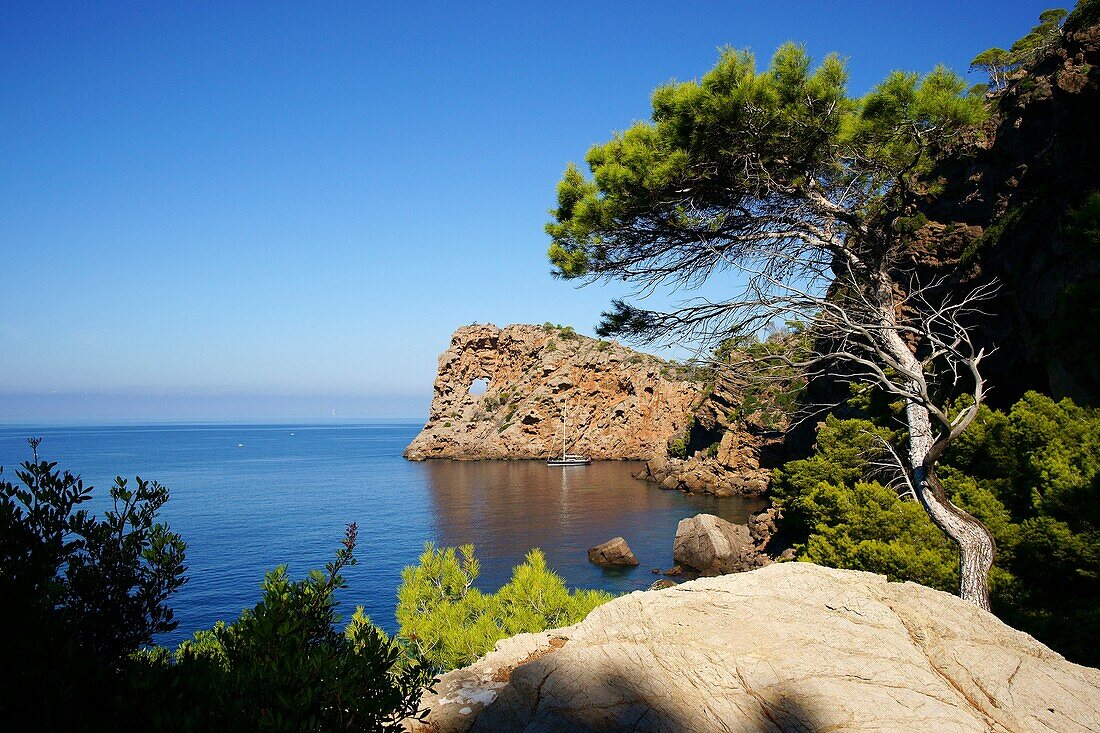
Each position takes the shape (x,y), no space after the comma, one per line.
(80,594)
(83,598)
(284,666)
(567,332)
(1031,475)
(448,621)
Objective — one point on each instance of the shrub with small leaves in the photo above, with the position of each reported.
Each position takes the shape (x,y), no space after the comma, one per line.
(80,594)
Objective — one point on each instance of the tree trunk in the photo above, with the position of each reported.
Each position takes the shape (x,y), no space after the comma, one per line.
(976,546)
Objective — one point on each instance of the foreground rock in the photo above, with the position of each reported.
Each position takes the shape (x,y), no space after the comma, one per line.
(614,552)
(621,403)
(790,647)
(714,546)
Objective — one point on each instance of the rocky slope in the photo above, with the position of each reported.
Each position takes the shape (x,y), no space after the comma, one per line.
(621,404)
(728,448)
(791,647)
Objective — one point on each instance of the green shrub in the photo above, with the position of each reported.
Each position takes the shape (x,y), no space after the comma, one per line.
(448,621)
(677,448)
(1031,475)
(80,594)
(284,666)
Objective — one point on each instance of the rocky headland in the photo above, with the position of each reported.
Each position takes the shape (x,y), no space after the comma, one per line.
(693,429)
(621,404)
(790,647)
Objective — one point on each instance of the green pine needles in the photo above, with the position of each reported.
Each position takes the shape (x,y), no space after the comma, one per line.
(448,622)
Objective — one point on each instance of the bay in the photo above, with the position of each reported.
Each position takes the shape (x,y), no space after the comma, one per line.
(249,497)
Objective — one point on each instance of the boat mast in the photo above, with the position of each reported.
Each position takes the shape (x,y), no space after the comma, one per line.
(563,405)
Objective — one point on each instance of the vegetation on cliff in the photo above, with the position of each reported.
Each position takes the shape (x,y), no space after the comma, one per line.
(1018,199)
(1015,200)
(885,223)
(805,194)
(999,64)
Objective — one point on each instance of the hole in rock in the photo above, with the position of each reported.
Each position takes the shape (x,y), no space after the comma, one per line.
(479,386)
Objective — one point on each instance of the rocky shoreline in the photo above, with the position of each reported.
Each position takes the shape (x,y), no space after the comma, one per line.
(622,405)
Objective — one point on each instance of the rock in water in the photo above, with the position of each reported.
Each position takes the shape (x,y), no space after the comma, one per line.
(621,403)
(614,552)
(790,647)
(714,546)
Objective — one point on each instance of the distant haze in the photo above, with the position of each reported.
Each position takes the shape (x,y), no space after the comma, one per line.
(94,408)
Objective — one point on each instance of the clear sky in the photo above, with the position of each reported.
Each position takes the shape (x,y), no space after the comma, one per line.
(251,210)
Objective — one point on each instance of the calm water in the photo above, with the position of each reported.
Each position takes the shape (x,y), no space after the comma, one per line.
(246,498)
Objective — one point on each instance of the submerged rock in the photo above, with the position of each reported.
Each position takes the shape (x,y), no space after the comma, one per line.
(615,552)
(790,647)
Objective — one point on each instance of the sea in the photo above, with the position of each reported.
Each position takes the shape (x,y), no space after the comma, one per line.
(247,498)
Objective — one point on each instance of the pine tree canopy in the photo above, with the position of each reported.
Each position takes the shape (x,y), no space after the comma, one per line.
(751,169)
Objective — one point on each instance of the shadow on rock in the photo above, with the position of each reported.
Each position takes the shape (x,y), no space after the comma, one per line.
(549,695)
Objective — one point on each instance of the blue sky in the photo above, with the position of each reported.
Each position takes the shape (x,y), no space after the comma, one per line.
(245,211)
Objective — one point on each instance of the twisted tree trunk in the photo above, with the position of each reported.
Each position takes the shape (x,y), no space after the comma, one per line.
(976,546)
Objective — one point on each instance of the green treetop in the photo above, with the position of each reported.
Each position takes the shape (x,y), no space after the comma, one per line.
(999,63)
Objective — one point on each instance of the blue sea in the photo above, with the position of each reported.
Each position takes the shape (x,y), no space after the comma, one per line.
(246,498)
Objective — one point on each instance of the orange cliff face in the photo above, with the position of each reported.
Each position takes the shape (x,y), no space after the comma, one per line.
(621,404)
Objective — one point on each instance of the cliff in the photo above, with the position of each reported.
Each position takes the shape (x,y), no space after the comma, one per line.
(730,447)
(621,404)
(790,647)
(1019,201)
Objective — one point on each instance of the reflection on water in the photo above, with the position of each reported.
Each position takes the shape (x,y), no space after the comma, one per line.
(505,508)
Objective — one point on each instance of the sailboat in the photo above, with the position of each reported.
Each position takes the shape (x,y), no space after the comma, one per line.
(567,459)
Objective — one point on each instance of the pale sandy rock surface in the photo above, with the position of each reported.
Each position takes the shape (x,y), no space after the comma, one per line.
(461,695)
(621,403)
(790,647)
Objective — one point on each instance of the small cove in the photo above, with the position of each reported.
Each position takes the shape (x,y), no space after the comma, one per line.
(249,497)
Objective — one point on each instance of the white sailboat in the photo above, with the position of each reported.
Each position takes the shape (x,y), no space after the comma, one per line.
(567,459)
